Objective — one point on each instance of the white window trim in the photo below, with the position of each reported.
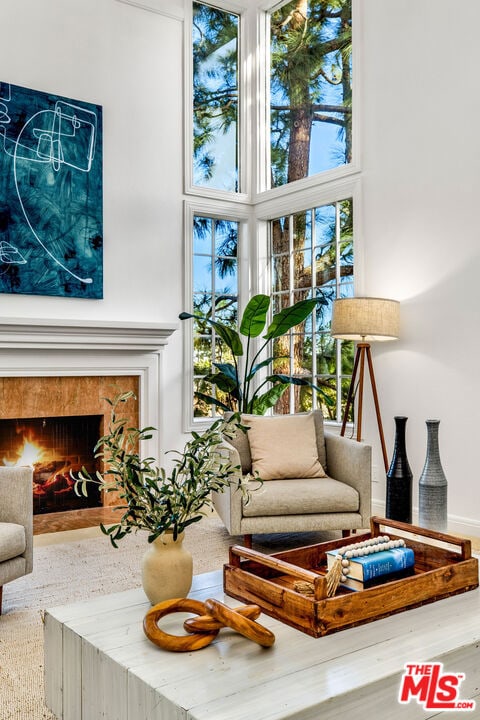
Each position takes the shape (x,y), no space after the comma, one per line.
(256,206)
(234,213)
(261,186)
(244,84)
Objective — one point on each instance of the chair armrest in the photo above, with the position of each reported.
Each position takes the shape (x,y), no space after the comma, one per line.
(228,503)
(16,503)
(350,462)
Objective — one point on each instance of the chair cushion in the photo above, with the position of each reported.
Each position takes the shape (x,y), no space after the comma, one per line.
(284,446)
(12,540)
(302,497)
(241,444)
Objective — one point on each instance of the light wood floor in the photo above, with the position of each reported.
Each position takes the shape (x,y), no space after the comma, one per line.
(92,517)
(73,519)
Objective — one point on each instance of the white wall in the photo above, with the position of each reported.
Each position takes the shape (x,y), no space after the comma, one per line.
(129,61)
(421,183)
(421,161)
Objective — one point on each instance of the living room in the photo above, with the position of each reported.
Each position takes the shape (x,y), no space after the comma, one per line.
(418,184)
(414,183)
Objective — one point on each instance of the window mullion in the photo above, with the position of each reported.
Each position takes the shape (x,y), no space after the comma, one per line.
(338,343)
(313,276)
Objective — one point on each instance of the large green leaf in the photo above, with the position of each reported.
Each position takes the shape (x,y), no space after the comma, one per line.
(262,403)
(289,317)
(255,316)
(223,382)
(230,336)
(291,380)
(288,380)
(259,366)
(211,400)
(228,370)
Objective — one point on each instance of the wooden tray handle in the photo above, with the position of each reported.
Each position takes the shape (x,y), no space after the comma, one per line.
(464,545)
(285,568)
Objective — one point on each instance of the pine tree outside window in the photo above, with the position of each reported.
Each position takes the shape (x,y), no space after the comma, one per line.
(312,256)
(310,88)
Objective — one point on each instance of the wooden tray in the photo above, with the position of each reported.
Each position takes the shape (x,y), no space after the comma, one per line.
(444,566)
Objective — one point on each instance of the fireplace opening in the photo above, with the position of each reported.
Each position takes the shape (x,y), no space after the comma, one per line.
(55,447)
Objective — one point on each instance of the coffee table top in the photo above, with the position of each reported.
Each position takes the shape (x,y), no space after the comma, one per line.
(110,666)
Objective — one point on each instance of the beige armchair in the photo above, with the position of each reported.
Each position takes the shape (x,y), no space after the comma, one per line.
(316,480)
(16,524)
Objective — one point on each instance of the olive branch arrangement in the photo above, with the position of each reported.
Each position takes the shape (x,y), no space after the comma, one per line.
(152,499)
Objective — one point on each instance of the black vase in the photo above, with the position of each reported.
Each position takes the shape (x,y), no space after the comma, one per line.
(399,478)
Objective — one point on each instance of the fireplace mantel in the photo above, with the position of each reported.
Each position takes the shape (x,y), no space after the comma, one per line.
(37,334)
(37,347)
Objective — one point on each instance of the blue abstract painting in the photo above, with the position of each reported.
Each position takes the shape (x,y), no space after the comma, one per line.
(51,194)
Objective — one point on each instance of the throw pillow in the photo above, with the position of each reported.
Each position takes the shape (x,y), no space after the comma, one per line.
(284,447)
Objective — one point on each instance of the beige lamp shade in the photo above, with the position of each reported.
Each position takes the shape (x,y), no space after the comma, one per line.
(365,319)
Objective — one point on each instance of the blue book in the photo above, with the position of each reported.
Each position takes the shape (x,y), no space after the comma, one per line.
(367,567)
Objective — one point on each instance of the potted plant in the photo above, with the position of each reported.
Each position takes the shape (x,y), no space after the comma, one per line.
(242,394)
(162,503)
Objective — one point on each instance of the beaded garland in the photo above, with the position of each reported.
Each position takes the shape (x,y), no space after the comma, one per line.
(361,549)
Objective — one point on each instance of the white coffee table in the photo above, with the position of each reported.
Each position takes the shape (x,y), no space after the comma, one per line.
(99,664)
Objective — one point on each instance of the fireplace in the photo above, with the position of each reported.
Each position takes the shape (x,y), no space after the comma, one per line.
(52,369)
(57,448)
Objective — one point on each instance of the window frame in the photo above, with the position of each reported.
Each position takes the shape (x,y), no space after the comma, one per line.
(257,204)
(261,187)
(303,201)
(244,92)
(290,289)
(214,210)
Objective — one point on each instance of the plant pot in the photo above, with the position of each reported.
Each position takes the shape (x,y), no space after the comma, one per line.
(167,569)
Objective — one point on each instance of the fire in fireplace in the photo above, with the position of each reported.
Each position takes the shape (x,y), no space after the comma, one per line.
(55,447)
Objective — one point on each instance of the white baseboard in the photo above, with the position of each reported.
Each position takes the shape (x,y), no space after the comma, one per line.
(457,525)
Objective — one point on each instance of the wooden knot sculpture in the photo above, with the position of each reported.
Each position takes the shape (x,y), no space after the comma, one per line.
(213,615)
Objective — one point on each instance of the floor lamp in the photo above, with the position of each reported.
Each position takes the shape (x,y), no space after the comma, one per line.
(365,320)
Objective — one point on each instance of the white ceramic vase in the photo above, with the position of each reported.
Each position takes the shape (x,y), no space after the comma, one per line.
(167,569)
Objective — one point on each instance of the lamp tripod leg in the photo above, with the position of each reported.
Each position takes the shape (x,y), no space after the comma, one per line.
(351,392)
(362,347)
(377,408)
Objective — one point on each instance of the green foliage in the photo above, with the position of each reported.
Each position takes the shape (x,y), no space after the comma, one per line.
(310,75)
(152,499)
(215,87)
(240,393)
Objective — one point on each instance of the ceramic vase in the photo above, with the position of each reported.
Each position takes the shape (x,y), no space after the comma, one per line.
(432,512)
(167,569)
(399,478)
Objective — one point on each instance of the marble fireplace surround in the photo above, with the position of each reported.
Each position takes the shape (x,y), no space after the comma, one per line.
(54,367)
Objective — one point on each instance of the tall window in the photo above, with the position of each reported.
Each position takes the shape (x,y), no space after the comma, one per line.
(215,97)
(310,88)
(215,276)
(312,256)
(284,74)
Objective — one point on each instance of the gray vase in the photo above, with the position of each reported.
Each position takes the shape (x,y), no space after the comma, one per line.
(433,485)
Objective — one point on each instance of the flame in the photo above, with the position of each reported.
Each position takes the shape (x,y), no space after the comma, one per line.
(29,455)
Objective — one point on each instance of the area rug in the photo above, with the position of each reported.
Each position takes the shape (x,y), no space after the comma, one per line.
(79,570)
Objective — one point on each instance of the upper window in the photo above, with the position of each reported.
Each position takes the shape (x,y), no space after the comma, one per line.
(310,88)
(215,98)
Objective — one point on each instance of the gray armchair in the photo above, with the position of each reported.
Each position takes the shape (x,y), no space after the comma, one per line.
(16,524)
(340,500)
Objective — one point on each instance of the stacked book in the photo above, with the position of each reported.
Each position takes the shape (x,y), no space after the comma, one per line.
(372,562)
